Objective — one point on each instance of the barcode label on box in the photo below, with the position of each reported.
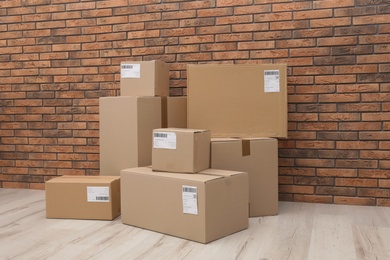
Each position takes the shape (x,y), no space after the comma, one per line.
(130,71)
(98,194)
(164,140)
(271,81)
(190,199)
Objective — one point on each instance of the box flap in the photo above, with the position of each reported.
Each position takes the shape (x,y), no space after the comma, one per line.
(182,176)
(84,179)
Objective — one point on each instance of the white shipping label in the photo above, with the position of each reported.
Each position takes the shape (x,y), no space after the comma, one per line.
(130,71)
(164,140)
(271,81)
(98,194)
(190,199)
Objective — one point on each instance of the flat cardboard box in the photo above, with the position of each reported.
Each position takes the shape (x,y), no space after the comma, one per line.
(180,150)
(83,197)
(144,78)
(157,201)
(257,157)
(238,100)
(126,126)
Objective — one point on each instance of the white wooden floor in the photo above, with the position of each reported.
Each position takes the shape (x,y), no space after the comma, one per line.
(300,231)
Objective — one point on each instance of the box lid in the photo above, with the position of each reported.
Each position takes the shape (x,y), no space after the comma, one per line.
(84,179)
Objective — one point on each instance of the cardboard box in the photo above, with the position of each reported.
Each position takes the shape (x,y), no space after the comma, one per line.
(257,157)
(126,126)
(180,150)
(238,100)
(201,207)
(83,197)
(176,112)
(144,78)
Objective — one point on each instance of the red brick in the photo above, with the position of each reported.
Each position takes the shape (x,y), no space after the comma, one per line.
(361,107)
(369,192)
(222,3)
(312,14)
(314,162)
(215,12)
(312,198)
(372,19)
(332,4)
(308,52)
(330,22)
(296,189)
(269,17)
(337,172)
(354,201)
(339,98)
(355,11)
(289,25)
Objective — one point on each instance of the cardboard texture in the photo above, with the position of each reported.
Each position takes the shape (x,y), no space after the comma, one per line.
(144,78)
(154,201)
(180,150)
(238,100)
(126,126)
(83,197)
(257,157)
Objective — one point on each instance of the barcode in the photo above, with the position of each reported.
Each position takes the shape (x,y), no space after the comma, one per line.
(161,135)
(189,189)
(104,198)
(127,67)
(271,72)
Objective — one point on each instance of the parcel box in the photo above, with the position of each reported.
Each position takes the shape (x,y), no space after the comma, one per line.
(144,78)
(181,150)
(200,207)
(238,100)
(126,126)
(83,197)
(257,157)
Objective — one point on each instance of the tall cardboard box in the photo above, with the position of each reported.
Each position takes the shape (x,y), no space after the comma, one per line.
(144,78)
(181,150)
(257,157)
(83,197)
(176,112)
(201,207)
(238,100)
(126,126)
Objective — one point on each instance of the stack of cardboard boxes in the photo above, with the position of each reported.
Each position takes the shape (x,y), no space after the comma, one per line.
(193,183)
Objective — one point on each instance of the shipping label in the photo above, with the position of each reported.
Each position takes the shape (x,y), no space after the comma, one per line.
(130,71)
(164,140)
(271,81)
(98,194)
(190,199)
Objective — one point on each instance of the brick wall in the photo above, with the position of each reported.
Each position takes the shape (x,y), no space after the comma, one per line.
(58,57)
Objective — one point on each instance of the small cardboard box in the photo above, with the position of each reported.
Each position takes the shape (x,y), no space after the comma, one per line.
(180,150)
(126,126)
(259,158)
(144,78)
(201,207)
(83,197)
(238,100)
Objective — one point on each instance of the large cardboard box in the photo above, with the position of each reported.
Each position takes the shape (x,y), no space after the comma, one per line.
(238,100)
(257,157)
(144,78)
(83,197)
(180,150)
(201,207)
(126,126)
